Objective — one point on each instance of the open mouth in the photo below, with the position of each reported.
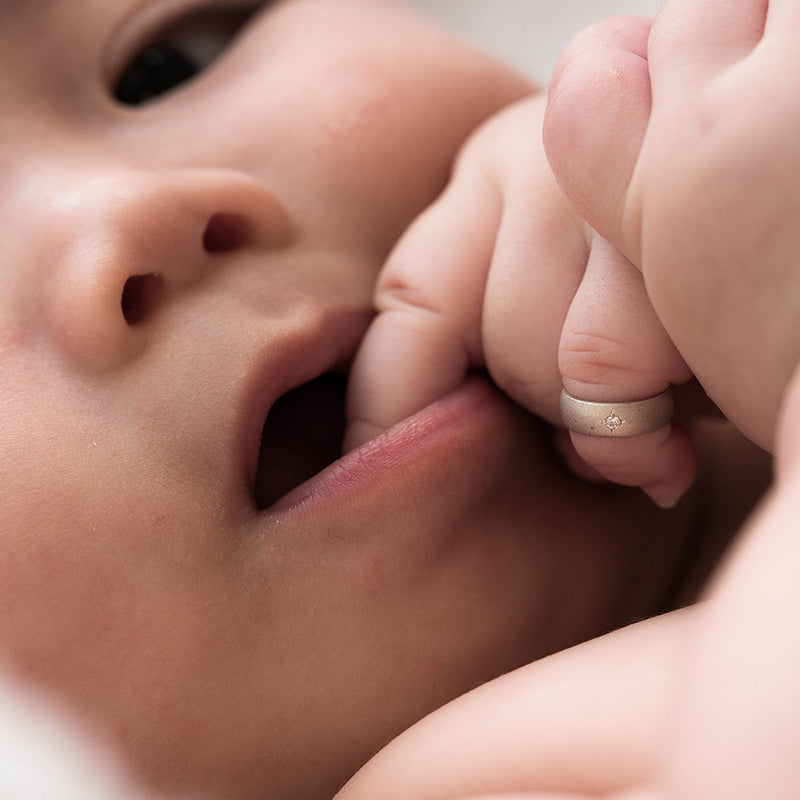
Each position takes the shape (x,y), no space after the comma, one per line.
(302,436)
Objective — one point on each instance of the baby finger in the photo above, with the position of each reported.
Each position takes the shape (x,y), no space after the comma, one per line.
(614,350)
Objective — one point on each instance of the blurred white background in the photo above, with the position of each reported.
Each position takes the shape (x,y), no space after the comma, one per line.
(530,33)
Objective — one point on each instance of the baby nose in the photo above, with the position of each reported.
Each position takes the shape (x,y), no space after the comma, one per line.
(123,248)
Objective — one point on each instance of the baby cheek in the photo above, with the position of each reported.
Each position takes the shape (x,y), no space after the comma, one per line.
(377,158)
(356,100)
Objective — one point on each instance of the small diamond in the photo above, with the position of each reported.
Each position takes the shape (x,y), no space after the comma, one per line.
(613,423)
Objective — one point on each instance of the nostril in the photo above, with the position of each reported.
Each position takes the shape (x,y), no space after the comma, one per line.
(139,296)
(225,232)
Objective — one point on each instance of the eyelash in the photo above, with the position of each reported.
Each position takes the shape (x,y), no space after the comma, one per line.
(181,52)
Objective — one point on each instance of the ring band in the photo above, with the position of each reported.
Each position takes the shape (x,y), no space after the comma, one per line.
(617,420)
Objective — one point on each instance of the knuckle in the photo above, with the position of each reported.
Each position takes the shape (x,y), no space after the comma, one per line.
(595,360)
(396,294)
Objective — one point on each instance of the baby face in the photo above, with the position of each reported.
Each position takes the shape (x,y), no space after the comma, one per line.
(195,204)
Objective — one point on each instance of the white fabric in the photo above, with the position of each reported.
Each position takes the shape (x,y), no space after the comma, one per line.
(45,757)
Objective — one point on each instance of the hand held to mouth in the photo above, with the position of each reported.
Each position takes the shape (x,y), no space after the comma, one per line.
(499,275)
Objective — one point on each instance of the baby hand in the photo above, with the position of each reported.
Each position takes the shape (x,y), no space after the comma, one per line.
(678,140)
(499,274)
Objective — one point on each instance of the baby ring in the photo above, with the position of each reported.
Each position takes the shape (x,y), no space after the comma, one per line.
(617,419)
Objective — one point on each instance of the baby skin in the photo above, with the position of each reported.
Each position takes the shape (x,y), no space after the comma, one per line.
(675,144)
(196,203)
(678,142)
(500,274)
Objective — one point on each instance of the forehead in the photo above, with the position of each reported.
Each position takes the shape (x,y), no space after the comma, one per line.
(35,23)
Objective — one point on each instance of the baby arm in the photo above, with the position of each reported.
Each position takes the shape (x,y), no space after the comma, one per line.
(545,730)
(500,274)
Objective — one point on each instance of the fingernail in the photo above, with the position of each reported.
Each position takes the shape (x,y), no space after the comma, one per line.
(663,495)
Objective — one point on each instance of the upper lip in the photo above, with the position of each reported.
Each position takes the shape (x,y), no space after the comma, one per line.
(316,342)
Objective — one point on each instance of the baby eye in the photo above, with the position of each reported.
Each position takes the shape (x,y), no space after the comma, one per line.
(181,52)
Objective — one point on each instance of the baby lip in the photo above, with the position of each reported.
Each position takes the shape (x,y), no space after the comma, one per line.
(303,385)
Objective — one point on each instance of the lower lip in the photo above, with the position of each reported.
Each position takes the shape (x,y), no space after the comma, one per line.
(471,415)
